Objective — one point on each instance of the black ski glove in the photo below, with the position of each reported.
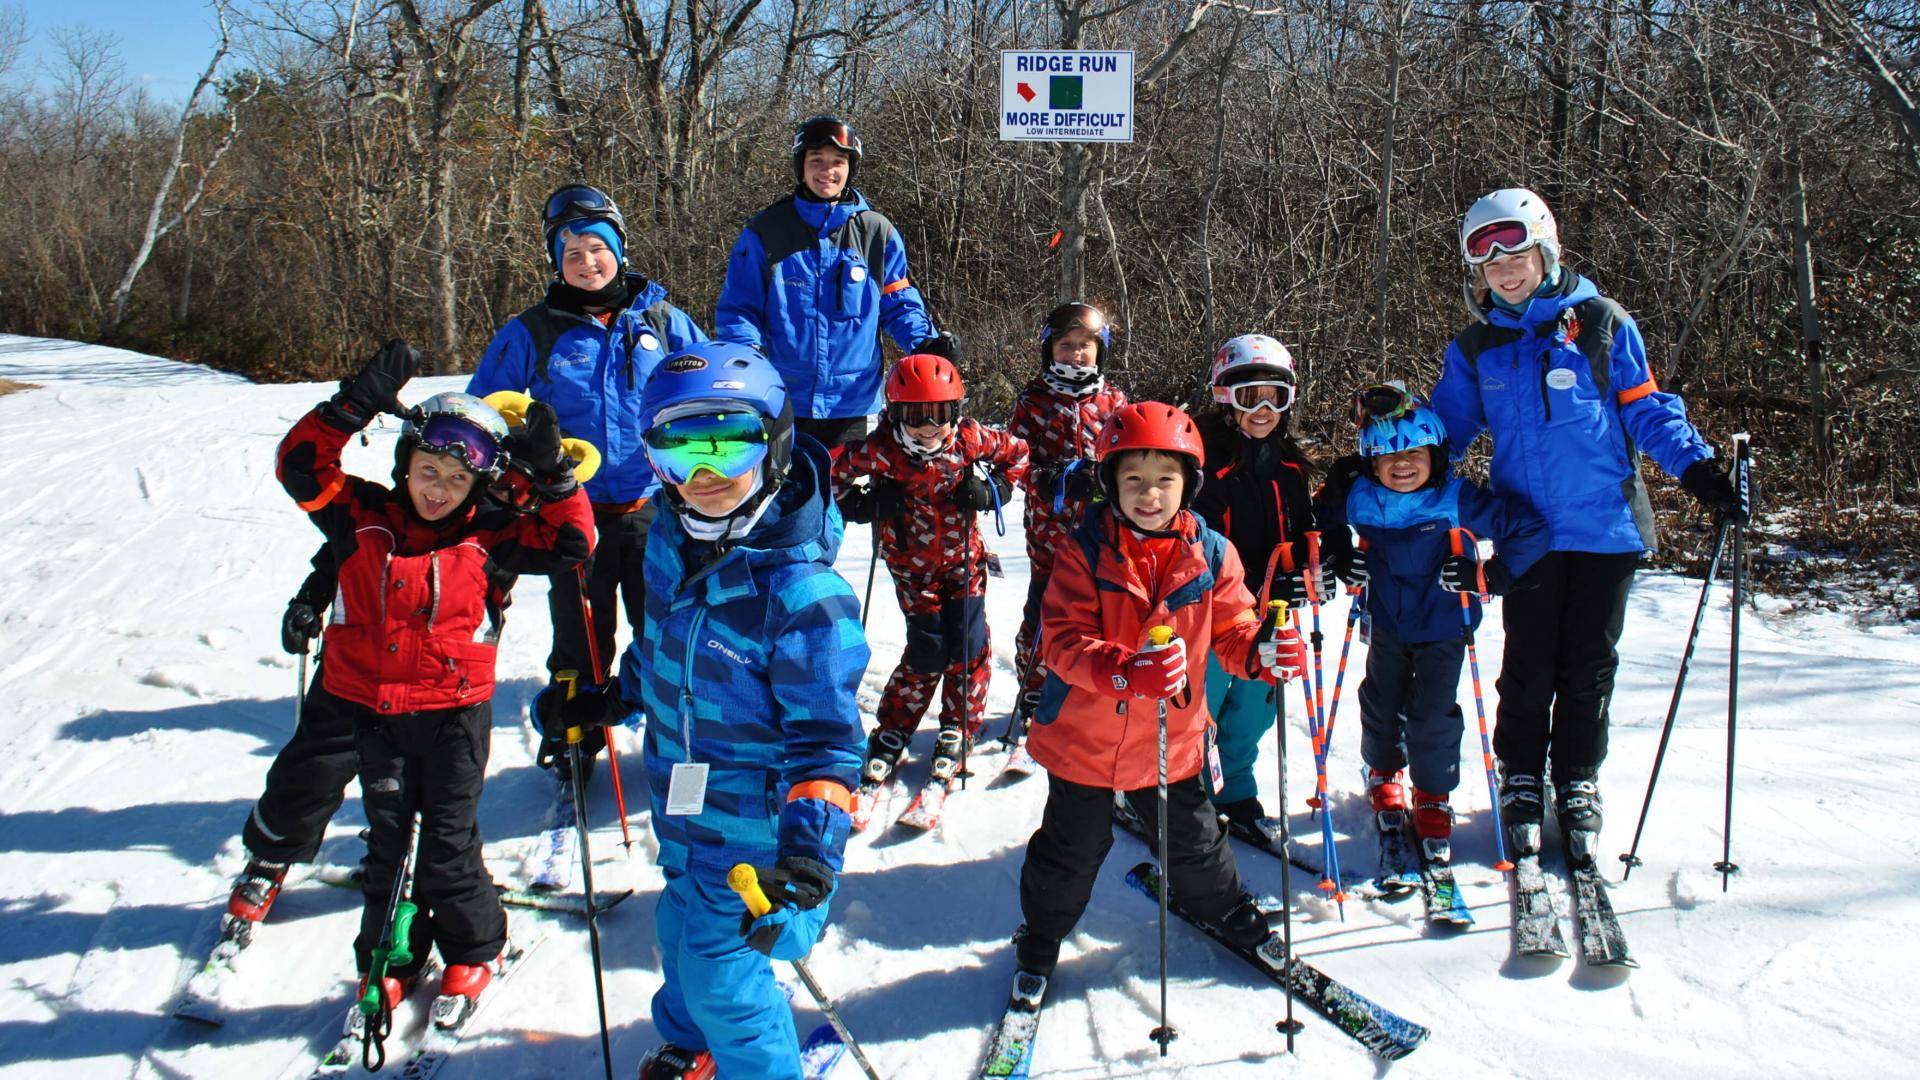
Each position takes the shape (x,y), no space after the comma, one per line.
(1340,477)
(1080,480)
(1707,482)
(880,500)
(1459,573)
(797,881)
(979,494)
(1350,566)
(942,344)
(301,624)
(536,447)
(377,388)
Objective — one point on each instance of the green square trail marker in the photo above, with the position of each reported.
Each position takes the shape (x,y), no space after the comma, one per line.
(1064,92)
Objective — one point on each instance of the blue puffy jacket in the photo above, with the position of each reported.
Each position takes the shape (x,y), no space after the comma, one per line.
(1567,430)
(749,664)
(1408,537)
(810,284)
(593,378)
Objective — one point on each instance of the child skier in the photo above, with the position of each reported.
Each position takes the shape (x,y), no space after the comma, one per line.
(930,470)
(1405,509)
(1257,495)
(1059,416)
(1141,560)
(746,670)
(1557,374)
(409,649)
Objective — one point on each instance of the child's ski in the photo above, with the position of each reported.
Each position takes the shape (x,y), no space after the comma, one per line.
(1266,838)
(346,1053)
(1385,1033)
(200,998)
(1536,925)
(1399,866)
(453,1014)
(1602,942)
(1438,890)
(867,800)
(557,854)
(348,877)
(821,1053)
(1010,1053)
(923,813)
(1020,764)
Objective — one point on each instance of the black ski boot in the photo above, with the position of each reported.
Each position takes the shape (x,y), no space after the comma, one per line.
(1522,809)
(1034,954)
(884,748)
(1242,813)
(949,747)
(1576,799)
(1244,924)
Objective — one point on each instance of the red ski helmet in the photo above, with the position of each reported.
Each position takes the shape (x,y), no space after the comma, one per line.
(1150,425)
(924,377)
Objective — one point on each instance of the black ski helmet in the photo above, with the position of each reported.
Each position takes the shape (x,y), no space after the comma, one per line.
(579,202)
(1076,315)
(818,131)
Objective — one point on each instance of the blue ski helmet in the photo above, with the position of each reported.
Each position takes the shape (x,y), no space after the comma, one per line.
(1414,428)
(726,376)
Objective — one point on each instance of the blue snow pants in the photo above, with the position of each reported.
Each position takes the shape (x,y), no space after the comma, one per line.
(719,996)
(1410,710)
(1242,708)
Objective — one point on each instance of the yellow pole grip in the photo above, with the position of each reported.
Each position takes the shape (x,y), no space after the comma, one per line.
(571,680)
(743,879)
(1160,636)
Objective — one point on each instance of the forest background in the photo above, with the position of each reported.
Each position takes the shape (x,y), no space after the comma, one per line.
(1744,177)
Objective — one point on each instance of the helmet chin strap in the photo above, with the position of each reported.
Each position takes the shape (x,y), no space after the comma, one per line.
(918,450)
(735,523)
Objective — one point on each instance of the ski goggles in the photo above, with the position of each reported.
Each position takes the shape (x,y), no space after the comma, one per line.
(450,435)
(1496,238)
(577,200)
(817,133)
(728,443)
(1077,317)
(1383,401)
(923,413)
(1272,395)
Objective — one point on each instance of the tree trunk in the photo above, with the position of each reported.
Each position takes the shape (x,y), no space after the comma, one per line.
(1076,167)
(1382,327)
(440,254)
(1812,334)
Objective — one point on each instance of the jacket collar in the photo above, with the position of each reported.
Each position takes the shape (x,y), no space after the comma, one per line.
(1545,310)
(829,217)
(797,528)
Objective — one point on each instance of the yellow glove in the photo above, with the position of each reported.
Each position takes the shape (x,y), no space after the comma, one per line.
(586,460)
(511,405)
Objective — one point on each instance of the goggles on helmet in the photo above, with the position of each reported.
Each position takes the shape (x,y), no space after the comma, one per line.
(1273,395)
(576,200)
(444,433)
(826,132)
(922,413)
(1075,317)
(728,443)
(1497,238)
(1383,401)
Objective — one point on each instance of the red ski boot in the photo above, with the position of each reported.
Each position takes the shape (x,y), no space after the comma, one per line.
(255,890)
(670,1062)
(1386,792)
(1432,816)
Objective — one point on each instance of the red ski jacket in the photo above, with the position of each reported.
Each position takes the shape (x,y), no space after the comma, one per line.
(412,629)
(1058,429)
(932,538)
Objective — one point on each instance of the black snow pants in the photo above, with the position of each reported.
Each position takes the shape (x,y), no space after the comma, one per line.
(307,781)
(1562,620)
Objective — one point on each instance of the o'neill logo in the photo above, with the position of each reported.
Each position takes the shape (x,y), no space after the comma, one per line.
(715,645)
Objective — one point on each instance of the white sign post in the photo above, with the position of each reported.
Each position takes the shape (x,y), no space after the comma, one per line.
(1058,95)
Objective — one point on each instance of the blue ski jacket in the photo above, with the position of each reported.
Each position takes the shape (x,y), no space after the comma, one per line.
(748,664)
(1565,391)
(1407,537)
(593,377)
(810,284)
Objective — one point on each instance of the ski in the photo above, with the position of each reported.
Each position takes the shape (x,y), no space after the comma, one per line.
(348,877)
(1019,766)
(867,800)
(200,998)
(1536,925)
(1265,837)
(821,1053)
(452,1014)
(1399,866)
(1438,889)
(557,853)
(346,1053)
(1010,1052)
(923,813)
(1384,1033)
(1602,942)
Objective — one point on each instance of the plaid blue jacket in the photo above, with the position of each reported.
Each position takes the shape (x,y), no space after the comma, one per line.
(749,664)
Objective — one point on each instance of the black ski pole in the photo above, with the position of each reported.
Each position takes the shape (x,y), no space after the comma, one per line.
(394,950)
(745,880)
(574,735)
(1742,489)
(1632,856)
(1277,617)
(873,566)
(1161,637)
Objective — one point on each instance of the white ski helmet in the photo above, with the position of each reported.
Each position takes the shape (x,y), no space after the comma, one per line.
(1251,359)
(1506,221)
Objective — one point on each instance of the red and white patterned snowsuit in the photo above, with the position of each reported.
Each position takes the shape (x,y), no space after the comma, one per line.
(938,561)
(1058,430)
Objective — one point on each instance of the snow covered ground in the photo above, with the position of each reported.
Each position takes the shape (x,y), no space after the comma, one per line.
(146,554)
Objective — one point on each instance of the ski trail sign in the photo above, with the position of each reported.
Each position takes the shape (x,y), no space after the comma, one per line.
(1066,95)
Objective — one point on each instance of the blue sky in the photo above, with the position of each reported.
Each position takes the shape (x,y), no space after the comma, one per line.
(163,43)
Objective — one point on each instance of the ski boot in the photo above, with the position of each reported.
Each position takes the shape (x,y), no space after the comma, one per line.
(884,748)
(1242,814)
(670,1062)
(1035,955)
(460,990)
(255,890)
(1433,824)
(1385,792)
(1576,803)
(1522,809)
(949,747)
(394,988)
(1245,925)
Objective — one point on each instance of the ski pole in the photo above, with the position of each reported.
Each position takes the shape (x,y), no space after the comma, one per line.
(873,567)
(1632,856)
(1742,481)
(1277,614)
(1330,883)
(395,950)
(1359,599)
(745,880)
(1459,538)
(1319,674)
(966,641)
(599,682)
(300,689)
(574,735)
(1158,638)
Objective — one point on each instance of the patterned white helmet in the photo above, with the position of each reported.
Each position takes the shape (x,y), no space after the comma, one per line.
(1506,221)
(1252,360)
